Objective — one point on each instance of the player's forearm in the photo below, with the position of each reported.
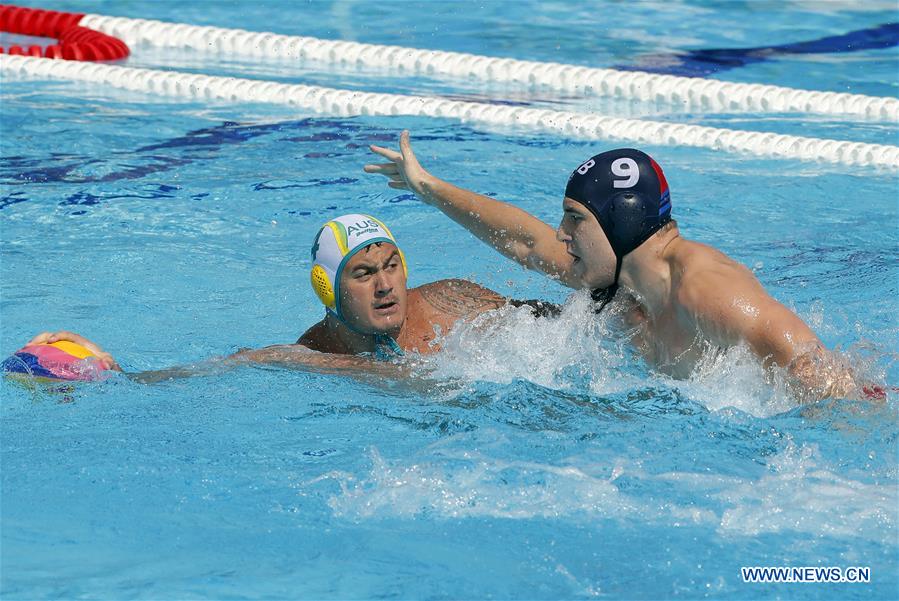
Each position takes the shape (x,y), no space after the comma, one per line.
(510,230)
(208,367)
(171,373)
(290,356)
(299,357)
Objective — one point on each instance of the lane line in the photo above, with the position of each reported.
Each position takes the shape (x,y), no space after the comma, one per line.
(348,102)
(689,92)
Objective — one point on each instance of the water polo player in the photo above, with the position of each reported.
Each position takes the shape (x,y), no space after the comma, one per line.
(359,274)
(684,298)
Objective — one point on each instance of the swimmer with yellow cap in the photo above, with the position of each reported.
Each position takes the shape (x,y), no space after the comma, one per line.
(374,291)
(359,274)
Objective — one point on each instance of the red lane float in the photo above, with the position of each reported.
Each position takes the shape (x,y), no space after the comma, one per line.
(75,43)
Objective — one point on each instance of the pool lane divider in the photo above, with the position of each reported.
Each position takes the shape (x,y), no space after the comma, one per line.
(74,41)
(688,92)
(351,103)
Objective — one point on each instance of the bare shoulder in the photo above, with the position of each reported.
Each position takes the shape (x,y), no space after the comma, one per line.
(459,298)
(721,296)
(728,303)
(317,338)
(705,275)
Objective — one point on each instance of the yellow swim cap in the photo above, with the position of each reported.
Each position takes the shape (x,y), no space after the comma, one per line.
(336,242)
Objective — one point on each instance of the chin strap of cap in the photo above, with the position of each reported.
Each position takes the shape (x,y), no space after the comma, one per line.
(604,296)
(387,348)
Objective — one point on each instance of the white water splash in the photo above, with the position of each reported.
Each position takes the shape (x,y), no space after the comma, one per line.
(802,494)
(565,352)
(736,378)
(798,494)
(471,484)
(583,352)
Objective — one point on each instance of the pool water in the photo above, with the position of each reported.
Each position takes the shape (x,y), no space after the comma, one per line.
(531,458)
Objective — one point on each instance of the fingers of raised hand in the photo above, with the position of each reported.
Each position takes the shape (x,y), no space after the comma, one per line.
(382,168)
(406,147)
(400,185)
(386,153)
(389,170)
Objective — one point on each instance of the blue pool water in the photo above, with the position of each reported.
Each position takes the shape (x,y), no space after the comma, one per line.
(530,459)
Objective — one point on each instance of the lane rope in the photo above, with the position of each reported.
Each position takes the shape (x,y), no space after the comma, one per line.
(350,103)
(688,92)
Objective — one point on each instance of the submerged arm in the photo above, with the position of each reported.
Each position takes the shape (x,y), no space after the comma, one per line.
(292,356)
(513,232)
(738,308)
(289,356)
(299,357)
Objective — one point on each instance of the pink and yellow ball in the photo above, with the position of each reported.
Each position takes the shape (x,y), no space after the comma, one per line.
(55,361)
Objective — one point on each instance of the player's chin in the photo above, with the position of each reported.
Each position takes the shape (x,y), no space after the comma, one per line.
(593,282)
(581,273)
(387,316)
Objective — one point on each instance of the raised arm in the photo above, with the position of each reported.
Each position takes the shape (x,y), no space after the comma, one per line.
(515,233)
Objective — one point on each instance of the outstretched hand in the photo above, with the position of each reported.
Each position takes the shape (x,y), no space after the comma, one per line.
(403,170)
(105,358)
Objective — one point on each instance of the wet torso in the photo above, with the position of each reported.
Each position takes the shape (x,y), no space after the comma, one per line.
(680,333)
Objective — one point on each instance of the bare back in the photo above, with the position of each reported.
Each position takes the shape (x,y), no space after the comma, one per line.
(438,306)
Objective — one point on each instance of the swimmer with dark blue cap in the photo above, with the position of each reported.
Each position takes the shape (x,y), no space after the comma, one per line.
(627,193)
(682,299)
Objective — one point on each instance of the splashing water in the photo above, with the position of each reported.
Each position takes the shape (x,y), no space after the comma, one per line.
(580,351)
(798,492)
(577,350)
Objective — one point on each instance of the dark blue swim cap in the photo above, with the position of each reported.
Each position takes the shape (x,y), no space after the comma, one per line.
(627,192)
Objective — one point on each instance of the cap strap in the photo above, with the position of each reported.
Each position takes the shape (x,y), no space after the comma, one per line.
(605,295)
